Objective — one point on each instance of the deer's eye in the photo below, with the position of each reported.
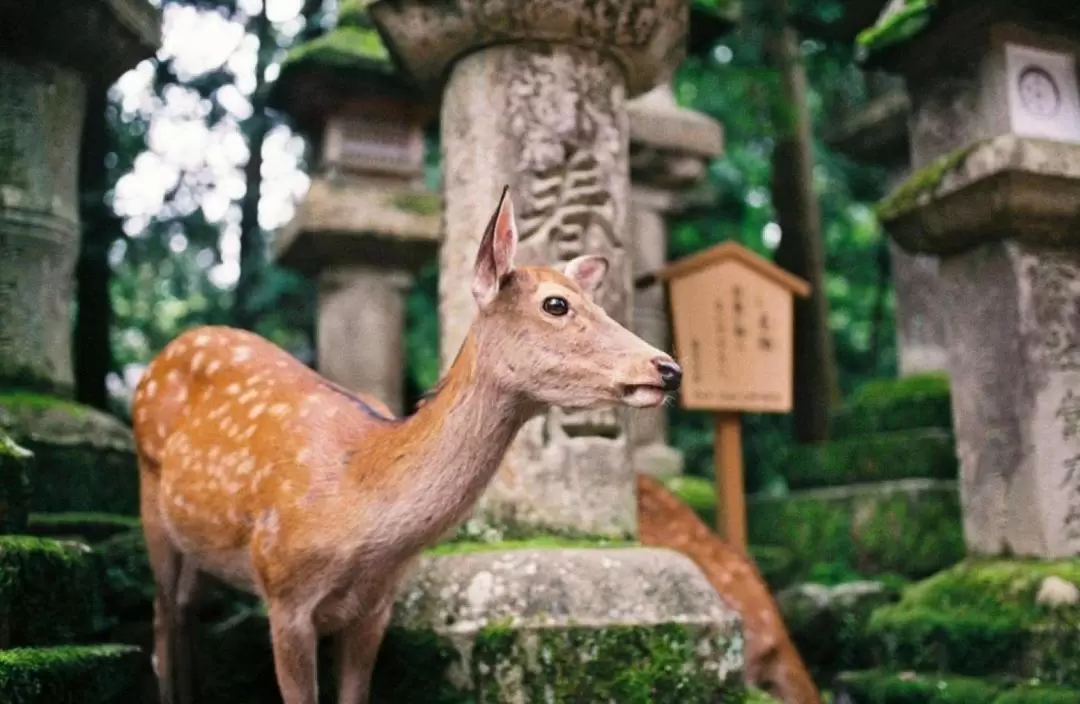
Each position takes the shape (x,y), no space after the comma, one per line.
(555,305)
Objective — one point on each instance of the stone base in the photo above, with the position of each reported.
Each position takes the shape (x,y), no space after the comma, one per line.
(584,624)
(658,460)
(83,459)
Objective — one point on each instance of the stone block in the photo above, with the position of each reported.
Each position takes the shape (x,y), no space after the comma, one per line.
(983,618)
(520,623)
(14,486)
(910,528)
(89,674)
(50,592)
(84,460)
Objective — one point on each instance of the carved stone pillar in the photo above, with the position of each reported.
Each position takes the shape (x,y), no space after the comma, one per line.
(669,148)
(368,221)
(995,141)
(534,95)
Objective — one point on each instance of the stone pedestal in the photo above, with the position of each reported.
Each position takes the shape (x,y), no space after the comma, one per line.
(995,141)
(368,221)
(669,149)
(53,56)
(534,95)
(876,133)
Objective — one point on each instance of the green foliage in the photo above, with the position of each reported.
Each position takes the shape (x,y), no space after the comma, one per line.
(50,592)
(981,618)
(907,403)
(14,485)
(905,22)
(883,687)
(903,454)
(87,526)
(100,674)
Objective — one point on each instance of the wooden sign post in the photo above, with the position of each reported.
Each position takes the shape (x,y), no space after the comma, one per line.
(732,317)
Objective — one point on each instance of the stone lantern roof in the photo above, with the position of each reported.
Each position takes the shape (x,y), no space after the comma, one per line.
(100,39)
(902,21)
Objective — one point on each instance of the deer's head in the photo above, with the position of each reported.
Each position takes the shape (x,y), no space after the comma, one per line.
(540,332)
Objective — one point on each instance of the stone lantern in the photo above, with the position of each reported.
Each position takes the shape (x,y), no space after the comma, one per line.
(669,150)
(368,221)
(995,146)
(56,58)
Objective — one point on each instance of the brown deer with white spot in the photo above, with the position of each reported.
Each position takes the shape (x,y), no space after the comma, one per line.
(257,470)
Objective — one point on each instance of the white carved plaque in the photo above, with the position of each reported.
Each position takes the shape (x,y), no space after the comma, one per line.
(1043,96)
(374,144)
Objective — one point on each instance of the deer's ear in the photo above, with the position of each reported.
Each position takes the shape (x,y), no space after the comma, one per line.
(588,271)
(497,248)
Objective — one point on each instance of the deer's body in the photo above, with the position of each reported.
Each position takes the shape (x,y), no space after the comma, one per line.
(259,471)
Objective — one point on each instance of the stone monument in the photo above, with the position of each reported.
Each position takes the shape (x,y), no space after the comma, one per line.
(995,144)
(368,221)
(54,55)
(669,150)
(534,95)
(876,133)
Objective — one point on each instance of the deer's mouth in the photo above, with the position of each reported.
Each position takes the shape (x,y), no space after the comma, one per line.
(643,395)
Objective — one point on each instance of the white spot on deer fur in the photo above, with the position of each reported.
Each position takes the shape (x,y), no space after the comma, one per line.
(161,430)
(140,415)
(248,397)
(150,388)
(281,364)
(232,389)
(197,361)
(241,354)
(246,435)
(279,409)
(201,340)
(254,379)
(213,367)
(256,410)
(304,456)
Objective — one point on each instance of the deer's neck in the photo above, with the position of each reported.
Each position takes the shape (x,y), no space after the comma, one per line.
(451,448)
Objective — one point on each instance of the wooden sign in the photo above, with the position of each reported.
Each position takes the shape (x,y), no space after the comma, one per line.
(732,318)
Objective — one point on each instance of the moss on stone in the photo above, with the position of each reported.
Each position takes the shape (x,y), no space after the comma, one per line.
(922,183)
(87,526)
(888,528)
(897,27)
(50,592)
(419,203)
(507,528)
(883,405)
(19,402)
(346,48)
(14,485)
(541,542)
(625,664)
(100,674)
(981,618)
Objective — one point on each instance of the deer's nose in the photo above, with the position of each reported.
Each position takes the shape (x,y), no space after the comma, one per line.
(670,373)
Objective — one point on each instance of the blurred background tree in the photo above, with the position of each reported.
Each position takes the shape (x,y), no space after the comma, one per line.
(183,235)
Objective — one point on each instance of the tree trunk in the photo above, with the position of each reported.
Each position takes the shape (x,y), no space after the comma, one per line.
(92,349)
(244,313)
(801,248)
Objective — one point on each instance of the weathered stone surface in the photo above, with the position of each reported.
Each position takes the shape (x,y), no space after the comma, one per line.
(658,121)
(360,330)
(920,326)
(1011,312)
(551,122)
(516,618)
(100,39)
(644,38)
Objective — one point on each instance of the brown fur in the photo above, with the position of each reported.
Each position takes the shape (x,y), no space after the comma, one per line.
(257,470)
(773,663)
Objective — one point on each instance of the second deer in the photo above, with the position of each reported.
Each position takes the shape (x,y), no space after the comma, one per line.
(257,470)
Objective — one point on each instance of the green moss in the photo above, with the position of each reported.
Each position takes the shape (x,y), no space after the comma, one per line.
(903,454)
(871,530)
(346,48)
(756,696)
(32,379)
(50,592)
(90,527)
(908,403)
(418,203)
(899,26)
(1039,694)
(922,182)
(102,674)
(625,664)
(981,618)
(19,402)
(882,687)
(727,10)
(508,528)
(542,542)
(14,486)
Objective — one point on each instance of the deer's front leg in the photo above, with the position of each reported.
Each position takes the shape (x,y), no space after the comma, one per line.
(358,645)
(296,643)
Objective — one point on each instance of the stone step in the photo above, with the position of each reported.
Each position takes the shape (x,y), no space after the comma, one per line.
(885,405)
(884,687)
(911,528)
(50,592)
(92,674)
(88,527)
(982,618)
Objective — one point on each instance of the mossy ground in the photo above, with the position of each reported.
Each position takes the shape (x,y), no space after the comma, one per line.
(87,526)
(981,618)
(881,687)
(104,674)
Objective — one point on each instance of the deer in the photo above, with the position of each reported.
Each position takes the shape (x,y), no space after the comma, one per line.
(256,470)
